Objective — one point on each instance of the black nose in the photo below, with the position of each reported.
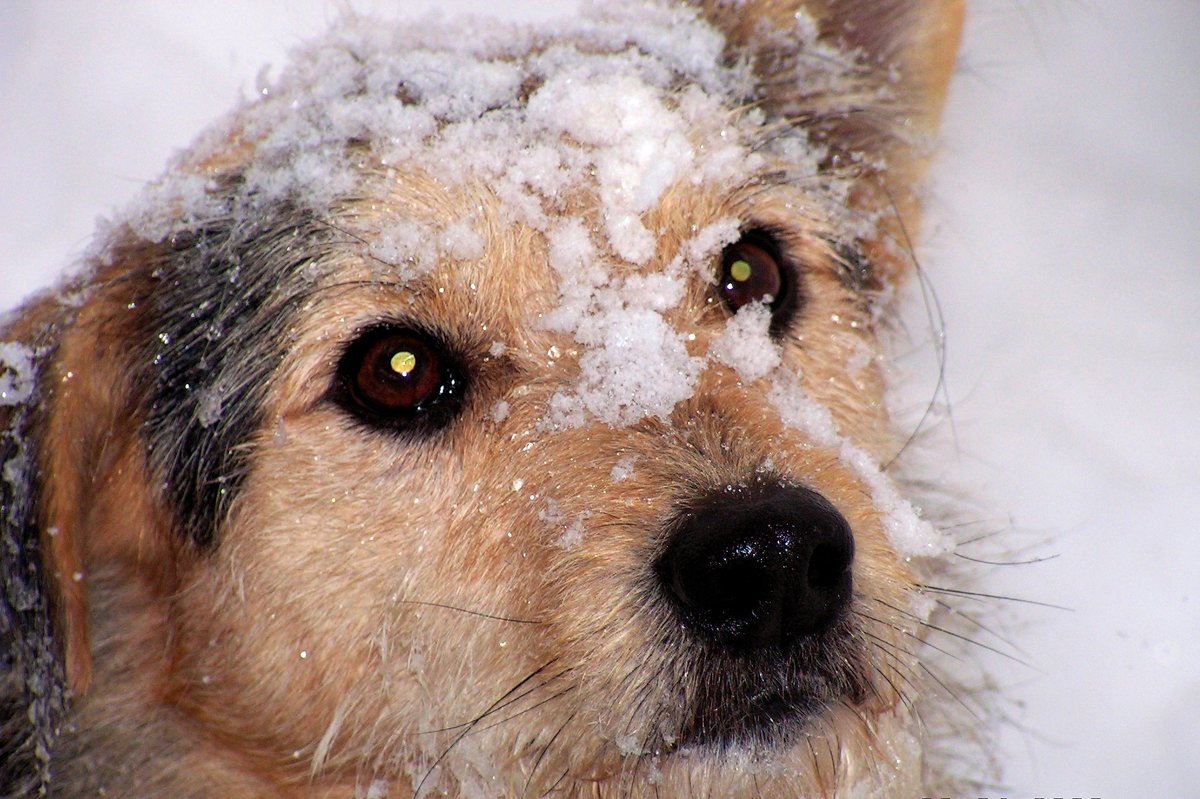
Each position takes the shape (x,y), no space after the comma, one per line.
(759,568)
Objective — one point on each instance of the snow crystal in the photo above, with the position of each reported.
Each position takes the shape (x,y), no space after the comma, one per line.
(572,536)
(909,534)
(709,241)
(640,146)
(658,291)
(637,366)
(280,436)
(921,605)
(799,411)
(623,468)
(574,257)
(629,745)
(746,343)
(860,359)
(16,373)
(405,242)
(572,533)
(417,249)
(15,471)
(210,401)
(500,410)
(551,514)
(461,241)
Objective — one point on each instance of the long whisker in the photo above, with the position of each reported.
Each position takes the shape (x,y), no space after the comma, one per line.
(529,709)
(949,691)
(501,702)
(937,324)
(998,597)
(1029,562)
(965,638)
(908,633)
(468,611)
(542,755)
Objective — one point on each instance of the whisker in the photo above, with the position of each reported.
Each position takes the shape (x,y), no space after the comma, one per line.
(891,651)
(471,726)
(468,611)
(937,324)
(949,692)
(981,626)
(967,639)
(1006,562)
(542,755)
(998,597)
(554,786)
(983,536)
(904,700)
(500,703)
(910,634)
(529,709)
(974,642)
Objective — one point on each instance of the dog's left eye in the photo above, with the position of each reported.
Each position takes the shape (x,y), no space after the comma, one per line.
(395,376)
(752,270)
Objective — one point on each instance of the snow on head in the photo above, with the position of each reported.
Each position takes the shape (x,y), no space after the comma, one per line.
(638,366)
(589,108)
(640,146)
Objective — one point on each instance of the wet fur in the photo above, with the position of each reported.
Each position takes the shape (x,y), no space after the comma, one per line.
(358,609)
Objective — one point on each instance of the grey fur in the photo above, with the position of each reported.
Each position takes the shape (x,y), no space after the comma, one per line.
(32,684)
(219,301)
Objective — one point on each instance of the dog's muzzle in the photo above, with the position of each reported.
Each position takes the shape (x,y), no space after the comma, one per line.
(759,579)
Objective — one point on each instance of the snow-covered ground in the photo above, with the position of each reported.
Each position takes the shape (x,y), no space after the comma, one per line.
(1064,245)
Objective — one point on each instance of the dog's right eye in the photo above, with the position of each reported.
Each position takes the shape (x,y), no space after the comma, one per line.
(400,378)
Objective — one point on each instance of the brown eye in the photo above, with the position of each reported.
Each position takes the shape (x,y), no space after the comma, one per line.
(753,271)
(394,376)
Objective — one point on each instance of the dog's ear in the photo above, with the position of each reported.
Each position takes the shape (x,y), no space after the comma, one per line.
(866,79)
(32,674)
(902,52)
(73,491)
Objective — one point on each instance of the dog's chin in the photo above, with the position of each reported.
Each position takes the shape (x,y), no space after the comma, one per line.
(762,704)
(762,725)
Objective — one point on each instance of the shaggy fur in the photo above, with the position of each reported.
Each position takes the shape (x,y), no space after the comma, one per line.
(220,579)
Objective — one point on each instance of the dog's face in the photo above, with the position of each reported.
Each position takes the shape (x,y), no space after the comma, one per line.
(495,419)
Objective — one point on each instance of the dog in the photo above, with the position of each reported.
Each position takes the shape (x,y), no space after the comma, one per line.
(492,411)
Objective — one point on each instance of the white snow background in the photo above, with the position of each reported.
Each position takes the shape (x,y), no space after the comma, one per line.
(1063,241)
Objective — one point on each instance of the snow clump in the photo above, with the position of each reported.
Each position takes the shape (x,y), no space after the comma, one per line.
(591,104)
(16,373)
(586,113)
(910,535)
(746,345)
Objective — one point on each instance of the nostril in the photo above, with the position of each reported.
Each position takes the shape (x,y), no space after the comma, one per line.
(760,569)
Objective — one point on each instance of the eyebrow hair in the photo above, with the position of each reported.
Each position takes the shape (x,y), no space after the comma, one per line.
(218,303)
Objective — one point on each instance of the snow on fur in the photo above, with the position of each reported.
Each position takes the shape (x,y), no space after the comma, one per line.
(537,115)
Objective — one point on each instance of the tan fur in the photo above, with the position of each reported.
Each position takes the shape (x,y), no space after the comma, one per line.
(366,603)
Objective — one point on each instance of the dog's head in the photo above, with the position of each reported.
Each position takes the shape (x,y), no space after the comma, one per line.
(493,412)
